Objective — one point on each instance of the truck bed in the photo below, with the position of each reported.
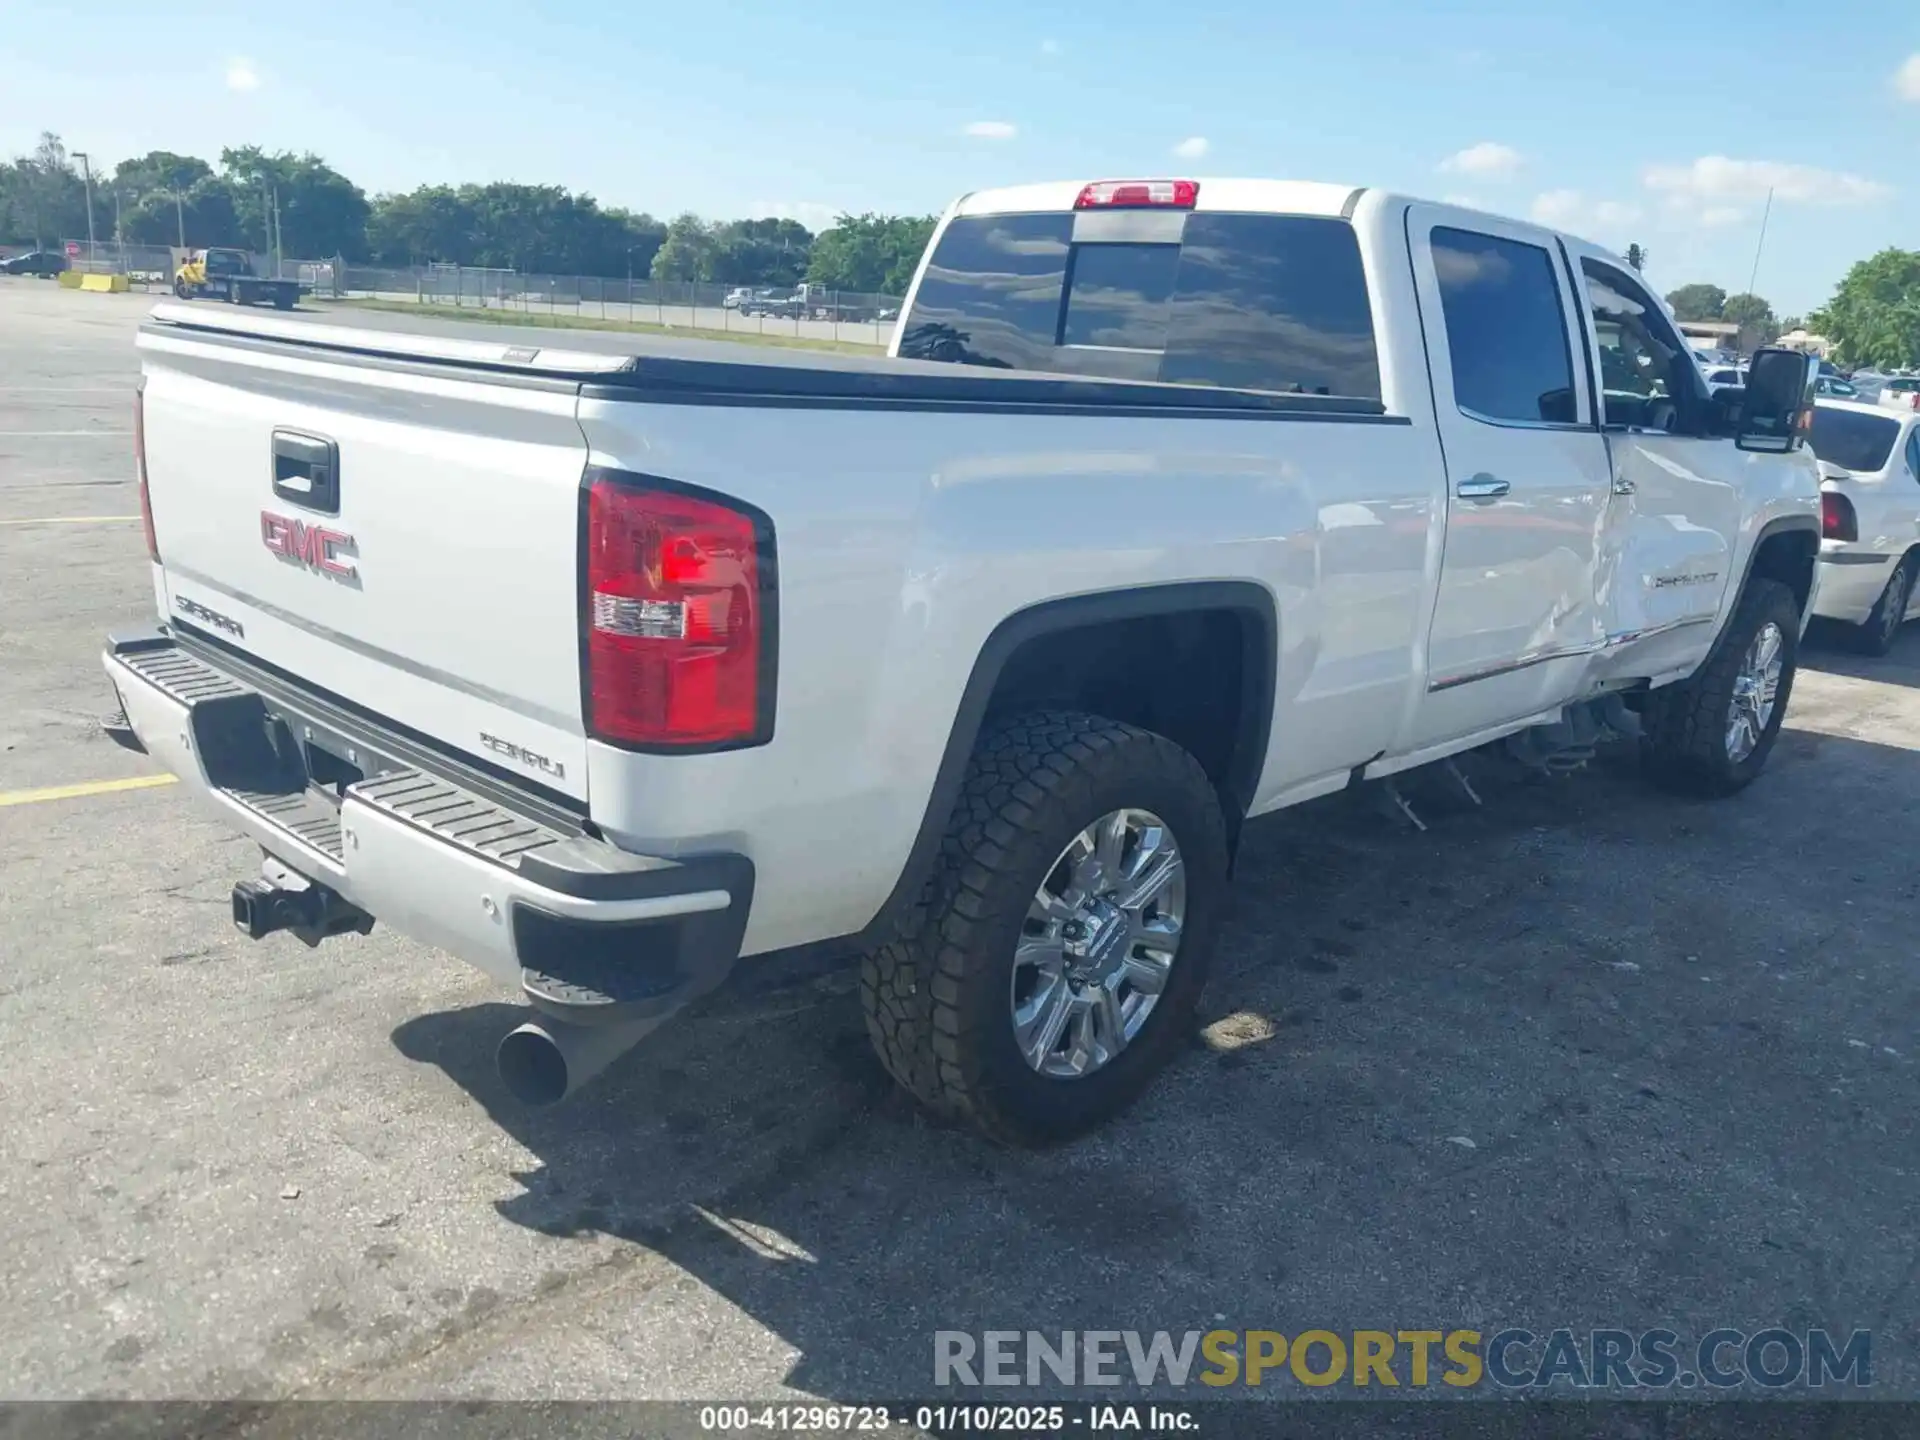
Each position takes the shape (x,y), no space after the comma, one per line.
(912,506)
(729,372)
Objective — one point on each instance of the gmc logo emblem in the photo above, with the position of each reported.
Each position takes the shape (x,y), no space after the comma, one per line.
(314,546)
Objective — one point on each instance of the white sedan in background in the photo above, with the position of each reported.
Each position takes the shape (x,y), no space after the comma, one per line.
(1869,518)
(1900,392)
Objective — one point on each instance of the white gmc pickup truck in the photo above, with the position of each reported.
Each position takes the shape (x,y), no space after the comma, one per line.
(604,661)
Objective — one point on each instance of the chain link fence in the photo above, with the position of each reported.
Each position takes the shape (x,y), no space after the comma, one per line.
(800,312)
(804,312)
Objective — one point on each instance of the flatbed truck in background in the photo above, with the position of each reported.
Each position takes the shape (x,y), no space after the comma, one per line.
(223,274)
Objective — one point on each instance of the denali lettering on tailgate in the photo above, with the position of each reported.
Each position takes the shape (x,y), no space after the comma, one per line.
(314,546)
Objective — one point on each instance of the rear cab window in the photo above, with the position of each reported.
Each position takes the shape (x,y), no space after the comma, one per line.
(1245,301)
(1853,439)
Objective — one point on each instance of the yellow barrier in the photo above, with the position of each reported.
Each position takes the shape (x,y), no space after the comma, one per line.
(103,284)
(71,279)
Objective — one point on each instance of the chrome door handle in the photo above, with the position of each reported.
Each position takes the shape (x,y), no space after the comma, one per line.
(1481,487)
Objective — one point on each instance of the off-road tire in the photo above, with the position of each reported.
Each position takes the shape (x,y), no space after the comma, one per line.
(937,1000)
(1876,636)
(1683,745)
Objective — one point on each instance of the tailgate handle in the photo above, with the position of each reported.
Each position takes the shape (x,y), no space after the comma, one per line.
(306,471)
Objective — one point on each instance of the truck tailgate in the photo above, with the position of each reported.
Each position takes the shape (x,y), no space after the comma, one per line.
(403,537)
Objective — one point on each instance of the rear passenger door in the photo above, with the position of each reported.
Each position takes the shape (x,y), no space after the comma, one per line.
(1515,618)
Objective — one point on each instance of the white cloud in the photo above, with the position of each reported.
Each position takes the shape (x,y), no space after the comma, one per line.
(1049,47)
(814,214)
(1715,178)
(1907,78)
(1486,158)
(1571,210)
(1191,148)
(242,75)
(1715,216)
(992,130)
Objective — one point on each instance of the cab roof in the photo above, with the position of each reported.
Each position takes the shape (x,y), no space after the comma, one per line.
(1244,195)
(1280,197)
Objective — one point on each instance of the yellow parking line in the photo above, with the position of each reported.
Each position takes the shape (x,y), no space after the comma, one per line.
(73,520)
(82,791)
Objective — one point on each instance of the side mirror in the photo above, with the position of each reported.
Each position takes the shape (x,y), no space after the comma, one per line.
(1776,406)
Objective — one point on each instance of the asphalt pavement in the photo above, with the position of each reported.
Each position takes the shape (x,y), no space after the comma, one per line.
(1586,1056)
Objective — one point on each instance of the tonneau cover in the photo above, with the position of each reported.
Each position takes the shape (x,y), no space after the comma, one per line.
(668,367)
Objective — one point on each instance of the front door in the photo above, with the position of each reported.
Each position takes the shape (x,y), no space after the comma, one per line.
(1515,622)
(1666,558)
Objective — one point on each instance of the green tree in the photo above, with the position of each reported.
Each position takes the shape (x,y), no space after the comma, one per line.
(432,223)
(1874,315)
(1755,318)
(687,251)
(1637,256)
(536,228)
(158,170)
(318,210)
(1698,301)
(873,253)
(204,211)
(1790,323)
(760,252)
(42,197)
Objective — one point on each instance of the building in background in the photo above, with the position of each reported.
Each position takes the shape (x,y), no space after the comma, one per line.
(1718,340)
(1809,344)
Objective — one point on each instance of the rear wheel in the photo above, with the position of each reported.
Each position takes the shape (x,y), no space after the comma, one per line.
(1882,627)
(1060,947)
(1711,734)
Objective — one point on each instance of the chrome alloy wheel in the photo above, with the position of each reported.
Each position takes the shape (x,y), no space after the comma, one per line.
(1098,944)
(1755,690)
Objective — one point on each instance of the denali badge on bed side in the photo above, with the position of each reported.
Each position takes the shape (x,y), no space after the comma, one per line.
(524,756)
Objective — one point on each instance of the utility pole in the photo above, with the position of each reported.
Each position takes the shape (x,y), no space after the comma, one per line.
(1753,278)
(180,219)
(86,168)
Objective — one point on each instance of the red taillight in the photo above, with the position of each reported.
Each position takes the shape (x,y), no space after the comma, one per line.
(1135,194)
(140,469)
(1913,401)
(678,621)
(1837,518)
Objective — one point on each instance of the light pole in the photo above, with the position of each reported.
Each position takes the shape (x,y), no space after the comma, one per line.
(86,168)
(180,219)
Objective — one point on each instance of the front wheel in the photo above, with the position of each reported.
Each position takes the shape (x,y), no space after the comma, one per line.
(1060,947)
(1711,734)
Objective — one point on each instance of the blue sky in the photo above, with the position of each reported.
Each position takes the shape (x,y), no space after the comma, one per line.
(1662,123)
